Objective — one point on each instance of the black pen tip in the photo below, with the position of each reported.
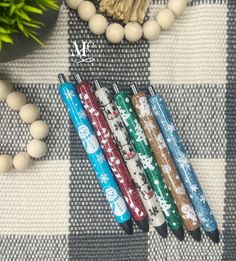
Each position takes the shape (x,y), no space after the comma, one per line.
(214,235)
(144,225)
(127,227)
(162,230)
(179,233)
(196,234)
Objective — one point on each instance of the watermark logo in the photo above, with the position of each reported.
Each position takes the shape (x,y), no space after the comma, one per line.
(82,52)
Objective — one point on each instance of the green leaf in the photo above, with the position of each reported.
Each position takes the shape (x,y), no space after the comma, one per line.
(6,38)
(23,15)
(20,25)
(5,20)
(12,10)
(5,4)
(32,9)
(34,25)
(4,30)
(36,39)
(18,6)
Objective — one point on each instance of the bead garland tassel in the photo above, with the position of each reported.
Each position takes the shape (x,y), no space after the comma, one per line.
(133,30)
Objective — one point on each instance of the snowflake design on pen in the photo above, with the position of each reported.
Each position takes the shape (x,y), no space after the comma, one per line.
(154,109)
(183,161)
(202,199)
(166,168)
(82,114)
(70,94)
(202,217)
(170,127)
(194,188)
(100,158)
(104,178)
(149,125)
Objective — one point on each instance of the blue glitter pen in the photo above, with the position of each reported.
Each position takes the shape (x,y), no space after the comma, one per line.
(183,165)
(94,152)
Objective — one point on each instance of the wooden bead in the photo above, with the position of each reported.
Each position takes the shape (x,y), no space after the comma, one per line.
(73,4)
(86,10)
(151,30)
(29,113)
(5,89)
(115,33)
(165,18)
(39,130)
(177,6)
(133,31)
(22,161)
(16,100)
(37,148)
(98,24)
(5,163)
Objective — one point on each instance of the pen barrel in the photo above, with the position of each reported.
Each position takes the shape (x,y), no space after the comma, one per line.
(130,156)
(182,163)
(94,152)
(140,143)
(164,160)
(111,151)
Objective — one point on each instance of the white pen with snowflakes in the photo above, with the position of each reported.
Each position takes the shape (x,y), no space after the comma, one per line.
(184,167)
(131,158)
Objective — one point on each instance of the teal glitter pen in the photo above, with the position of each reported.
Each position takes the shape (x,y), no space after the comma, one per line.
(95,154)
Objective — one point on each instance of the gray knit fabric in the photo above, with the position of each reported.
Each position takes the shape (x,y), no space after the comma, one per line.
(56,210)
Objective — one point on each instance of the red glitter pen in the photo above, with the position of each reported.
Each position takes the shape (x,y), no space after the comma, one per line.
(112,153)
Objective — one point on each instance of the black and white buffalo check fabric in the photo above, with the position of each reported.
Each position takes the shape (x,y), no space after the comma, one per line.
(56,210)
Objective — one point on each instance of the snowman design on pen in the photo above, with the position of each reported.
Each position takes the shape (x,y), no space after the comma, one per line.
(189,213)
(89,140)
(144,108)
(116,201)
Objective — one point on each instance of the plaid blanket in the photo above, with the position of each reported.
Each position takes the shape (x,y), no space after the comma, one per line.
(56,210)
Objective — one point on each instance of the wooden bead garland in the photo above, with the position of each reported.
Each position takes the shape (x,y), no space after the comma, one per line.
(29,113)
(133,31)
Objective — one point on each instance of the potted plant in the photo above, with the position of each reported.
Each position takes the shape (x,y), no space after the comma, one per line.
(25,25)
